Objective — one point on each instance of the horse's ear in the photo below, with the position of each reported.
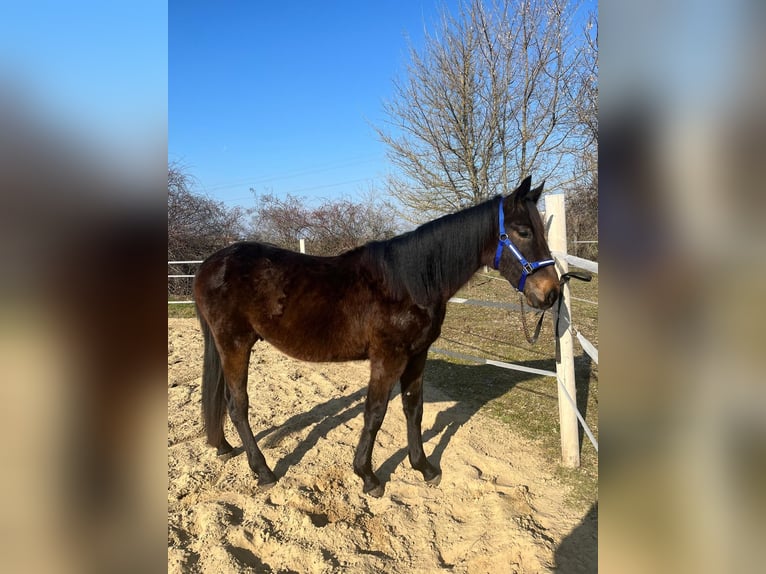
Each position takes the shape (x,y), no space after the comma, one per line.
(521,192)
(535,194)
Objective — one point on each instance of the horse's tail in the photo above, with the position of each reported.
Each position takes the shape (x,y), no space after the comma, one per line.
(213,387)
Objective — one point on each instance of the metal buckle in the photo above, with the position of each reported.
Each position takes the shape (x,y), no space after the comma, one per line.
(528,267)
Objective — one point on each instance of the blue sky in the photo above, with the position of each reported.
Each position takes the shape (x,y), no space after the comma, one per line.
(282,96)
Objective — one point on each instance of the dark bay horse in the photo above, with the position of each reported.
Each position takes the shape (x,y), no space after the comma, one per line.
(384,301)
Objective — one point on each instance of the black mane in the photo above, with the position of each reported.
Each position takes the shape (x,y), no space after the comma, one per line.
(436,259)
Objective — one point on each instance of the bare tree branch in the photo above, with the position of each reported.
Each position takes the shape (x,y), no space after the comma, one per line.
(332,227)
(486,102)
(197,226)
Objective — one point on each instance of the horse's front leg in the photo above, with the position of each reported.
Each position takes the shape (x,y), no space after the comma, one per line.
(412,401)
(383,376)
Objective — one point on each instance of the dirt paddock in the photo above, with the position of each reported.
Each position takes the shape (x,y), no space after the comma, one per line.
(498,508)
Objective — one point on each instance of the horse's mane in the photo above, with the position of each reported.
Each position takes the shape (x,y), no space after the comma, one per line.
(437,258)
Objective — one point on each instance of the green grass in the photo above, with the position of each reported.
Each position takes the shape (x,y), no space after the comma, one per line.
(181,310)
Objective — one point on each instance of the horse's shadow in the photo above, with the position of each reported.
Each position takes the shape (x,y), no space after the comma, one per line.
(324,417)
(470,387)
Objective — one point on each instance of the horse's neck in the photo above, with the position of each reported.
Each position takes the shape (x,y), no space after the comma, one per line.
(458,280)
(458,258)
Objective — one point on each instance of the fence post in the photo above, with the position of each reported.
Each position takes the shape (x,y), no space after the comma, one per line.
(557,241)
(302,245)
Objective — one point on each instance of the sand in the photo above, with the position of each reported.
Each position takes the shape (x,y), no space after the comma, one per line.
(499,507)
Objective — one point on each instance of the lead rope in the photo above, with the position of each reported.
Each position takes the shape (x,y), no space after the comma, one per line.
(533,339)
(564,278)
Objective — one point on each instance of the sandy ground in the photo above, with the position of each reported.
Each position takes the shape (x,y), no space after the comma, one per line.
(498,507)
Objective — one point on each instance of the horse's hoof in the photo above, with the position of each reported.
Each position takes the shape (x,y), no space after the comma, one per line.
(225,451)
(376,491)
(435,480)
(266,478)
(264,486)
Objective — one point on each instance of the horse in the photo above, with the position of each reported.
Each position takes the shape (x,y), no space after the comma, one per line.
(384,301)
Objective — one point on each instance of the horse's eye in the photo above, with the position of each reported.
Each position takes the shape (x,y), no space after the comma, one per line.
(524,233)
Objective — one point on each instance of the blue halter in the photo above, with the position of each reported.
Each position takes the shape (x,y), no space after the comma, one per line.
(527,268)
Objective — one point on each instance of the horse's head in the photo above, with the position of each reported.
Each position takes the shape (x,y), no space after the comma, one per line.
(522,254)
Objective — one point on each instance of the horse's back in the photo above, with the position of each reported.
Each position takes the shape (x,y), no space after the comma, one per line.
(312,308)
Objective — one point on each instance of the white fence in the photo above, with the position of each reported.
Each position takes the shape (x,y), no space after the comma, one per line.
(569,415)
(172,276)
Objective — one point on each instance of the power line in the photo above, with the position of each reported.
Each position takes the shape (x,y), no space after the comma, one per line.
(301,172)
(311,188)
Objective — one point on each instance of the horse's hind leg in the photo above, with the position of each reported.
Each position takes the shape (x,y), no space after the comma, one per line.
(235,362)
(412,400)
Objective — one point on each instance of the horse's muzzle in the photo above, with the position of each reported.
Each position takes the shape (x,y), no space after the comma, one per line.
(544,296)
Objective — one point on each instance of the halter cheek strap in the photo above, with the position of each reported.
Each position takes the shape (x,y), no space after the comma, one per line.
(527,268)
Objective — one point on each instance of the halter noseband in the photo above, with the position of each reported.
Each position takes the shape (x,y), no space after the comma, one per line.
(527,268)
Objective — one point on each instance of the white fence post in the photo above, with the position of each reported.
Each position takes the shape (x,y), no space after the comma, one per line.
(557,241)
(302,245)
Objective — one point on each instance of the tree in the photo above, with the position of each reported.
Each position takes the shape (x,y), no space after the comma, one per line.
(280,221)
(486,103)
(341,225)
(582,196)
(332,227)
(197,226)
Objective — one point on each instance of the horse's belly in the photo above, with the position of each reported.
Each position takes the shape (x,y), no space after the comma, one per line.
(320,351)
(317,341)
